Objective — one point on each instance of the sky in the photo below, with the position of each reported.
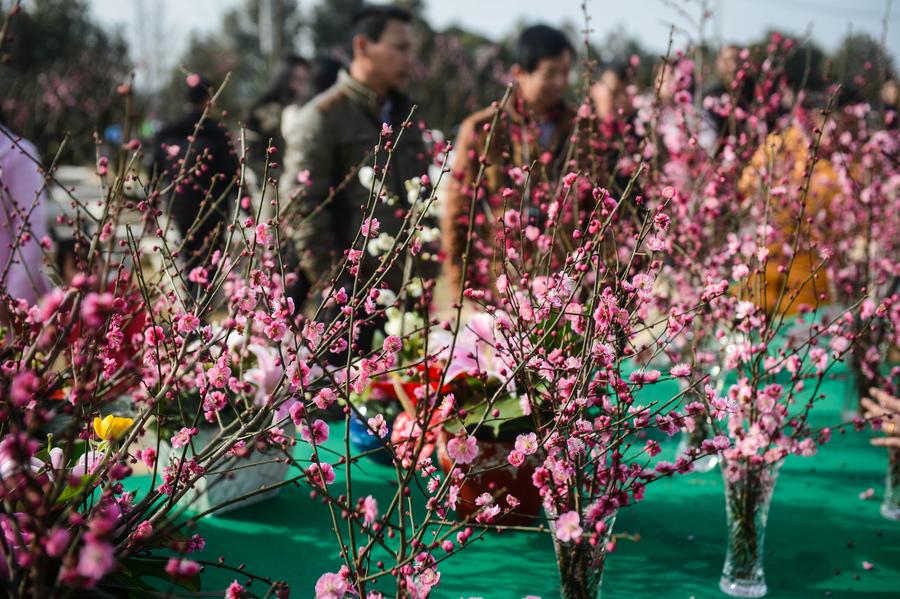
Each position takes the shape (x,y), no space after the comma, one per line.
(647,20)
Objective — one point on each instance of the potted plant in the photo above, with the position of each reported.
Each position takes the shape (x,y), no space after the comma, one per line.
(496,425)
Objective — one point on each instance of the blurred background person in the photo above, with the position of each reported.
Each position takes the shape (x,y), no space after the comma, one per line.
(890,101)
(677,121)
(291,85)
(335,133)
(324,72)
(22,218)
(786,285)
(884,407)
(614,141)
(202,171)
(535,125)
(612,92)
(732,91)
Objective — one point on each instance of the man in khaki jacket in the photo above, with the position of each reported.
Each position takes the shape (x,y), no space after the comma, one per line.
(327,178)
(534,127)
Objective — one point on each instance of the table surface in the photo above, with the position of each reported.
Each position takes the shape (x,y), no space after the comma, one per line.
(819,534)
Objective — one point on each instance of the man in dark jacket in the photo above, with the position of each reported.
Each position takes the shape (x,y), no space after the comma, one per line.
(327,181)
(203,165)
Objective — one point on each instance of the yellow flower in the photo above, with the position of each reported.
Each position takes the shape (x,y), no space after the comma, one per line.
(111,427)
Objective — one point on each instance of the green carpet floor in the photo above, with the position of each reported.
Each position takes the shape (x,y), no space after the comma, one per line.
(819,534)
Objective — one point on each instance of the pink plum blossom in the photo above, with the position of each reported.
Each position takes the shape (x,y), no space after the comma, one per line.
(331,586)
(568,527)
(463,450)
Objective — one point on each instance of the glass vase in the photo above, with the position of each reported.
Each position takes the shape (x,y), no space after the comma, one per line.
(581,564)
(890,506)
(702,429)
(748,493)
(694,439)
(860,376)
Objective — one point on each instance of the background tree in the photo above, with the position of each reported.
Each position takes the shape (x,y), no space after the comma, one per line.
(60,77)
(459,72)
(330,24)
(242,46)
(861,66)
(806,65)
(618,46)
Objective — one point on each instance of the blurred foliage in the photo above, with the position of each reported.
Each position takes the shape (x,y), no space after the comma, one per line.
(330,25)
(458,73)
(861,65)
(59,77)
(236,48)
(62,69)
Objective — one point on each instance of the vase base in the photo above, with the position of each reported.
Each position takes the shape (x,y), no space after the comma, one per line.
(890,511)
(743,588)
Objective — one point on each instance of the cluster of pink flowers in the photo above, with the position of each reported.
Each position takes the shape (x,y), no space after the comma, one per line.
(586,299)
